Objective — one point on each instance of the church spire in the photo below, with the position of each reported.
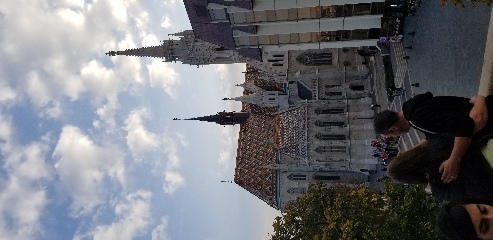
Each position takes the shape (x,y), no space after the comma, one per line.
(223,118)
(165,50)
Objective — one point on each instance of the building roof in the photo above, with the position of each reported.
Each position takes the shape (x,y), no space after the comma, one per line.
(220,33)
(256,147)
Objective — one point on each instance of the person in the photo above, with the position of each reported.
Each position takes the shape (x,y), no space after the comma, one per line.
(433,115)
(468,219)
(419,165)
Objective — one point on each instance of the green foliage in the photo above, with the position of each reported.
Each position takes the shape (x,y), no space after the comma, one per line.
(345,212)
(460,3)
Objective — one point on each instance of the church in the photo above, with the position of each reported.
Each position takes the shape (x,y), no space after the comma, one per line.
(306,112)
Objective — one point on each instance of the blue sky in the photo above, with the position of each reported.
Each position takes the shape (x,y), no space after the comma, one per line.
(88,148)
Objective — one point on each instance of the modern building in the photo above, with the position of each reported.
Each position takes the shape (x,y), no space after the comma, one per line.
(254,27)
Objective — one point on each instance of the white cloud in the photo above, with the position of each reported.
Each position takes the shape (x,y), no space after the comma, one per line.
(150,40)
(8,94)
(133,218)
(22,189)
(139,139)
(159,232)
(230,75)
(165,22)
(172,178)
(52,109)
(162,75)
(82,166)
(106,114)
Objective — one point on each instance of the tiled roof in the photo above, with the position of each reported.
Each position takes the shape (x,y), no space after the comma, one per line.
(218,33)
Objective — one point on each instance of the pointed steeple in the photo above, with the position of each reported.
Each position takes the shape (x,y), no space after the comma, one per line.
(223,118)
(187,49)
(165,50)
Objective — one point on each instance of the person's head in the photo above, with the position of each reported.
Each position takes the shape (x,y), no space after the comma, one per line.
(470,219)
(411,166)
(390,124)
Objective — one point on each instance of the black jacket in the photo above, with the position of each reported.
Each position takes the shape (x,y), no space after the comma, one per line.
(437,115)
(475,180)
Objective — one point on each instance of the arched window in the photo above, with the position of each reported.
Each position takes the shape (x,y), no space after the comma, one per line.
(330,136)
(299,190)
(357,87)
(326,178)
(297,177)
(315,59)
(331,149)
(328,124)
(329,111)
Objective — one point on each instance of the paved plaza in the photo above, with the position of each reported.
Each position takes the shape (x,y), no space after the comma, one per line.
(445,56)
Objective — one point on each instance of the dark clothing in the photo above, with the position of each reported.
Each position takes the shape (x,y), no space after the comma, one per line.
(443,114)
(475,180)
(446,114)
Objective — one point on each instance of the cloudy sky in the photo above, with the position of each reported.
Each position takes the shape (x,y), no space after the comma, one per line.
(87,143)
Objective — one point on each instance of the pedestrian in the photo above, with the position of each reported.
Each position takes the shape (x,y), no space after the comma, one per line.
(411,33)
(405,57)
(466,119)
(415,84)
(409,47)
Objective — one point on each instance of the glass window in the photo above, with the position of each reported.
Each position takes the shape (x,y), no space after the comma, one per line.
(218,14)
(361,8)
(359,34)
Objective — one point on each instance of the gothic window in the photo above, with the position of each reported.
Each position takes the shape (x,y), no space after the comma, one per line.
(328,124)
(329,111)
(330,136)
(277,64)
(315,59)
(326,178)
(358,87)
(299,190)
(331,149)
(278,55)
(333,93)
(295,177)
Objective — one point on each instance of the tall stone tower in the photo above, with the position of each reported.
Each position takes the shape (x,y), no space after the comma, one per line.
(187,49)
(223,118)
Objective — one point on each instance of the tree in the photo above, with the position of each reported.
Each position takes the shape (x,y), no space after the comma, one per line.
(357,212)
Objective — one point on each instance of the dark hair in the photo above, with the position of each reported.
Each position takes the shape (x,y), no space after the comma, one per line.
(384,120)
(411,166)
(454,220)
